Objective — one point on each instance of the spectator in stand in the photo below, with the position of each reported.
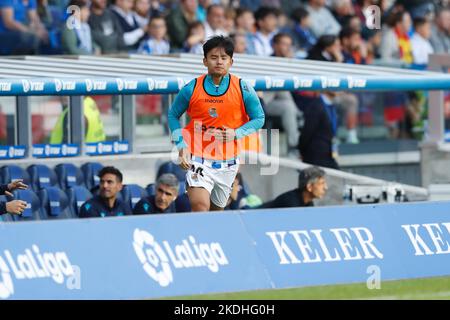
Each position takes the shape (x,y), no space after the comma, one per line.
(266,24)
(215,21)
(395,43)
(196,38)
(354,49)
(21,30)
(373,45)
(230,18)
(281,103)
(245,23)
(421,45)
(178,21)
(156,42)
(166,192)
(106,203)
(240,42)
(105,28)
(342,10)
(322,20)
(317,143)
(203,6)
(132,33)
(301,32)
(440,31)
(142,12)
(312,185)
(328,48)
(76,37)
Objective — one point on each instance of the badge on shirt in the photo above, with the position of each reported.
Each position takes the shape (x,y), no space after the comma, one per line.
(213,112)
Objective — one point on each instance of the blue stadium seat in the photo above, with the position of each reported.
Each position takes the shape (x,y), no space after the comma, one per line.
(132,193)
(77,196)
(33,211)
(69,175)
(90,170)
(13,172)
(170,167)
(151,189)
(55,203)
(42,176)
(4,217)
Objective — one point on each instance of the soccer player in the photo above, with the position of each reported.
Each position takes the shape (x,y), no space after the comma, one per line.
(222,109)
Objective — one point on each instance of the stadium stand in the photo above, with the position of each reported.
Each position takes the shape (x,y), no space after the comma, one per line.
(132,193)
(77,196)
(90,170)
(69,175)
(55,203)
(41,176)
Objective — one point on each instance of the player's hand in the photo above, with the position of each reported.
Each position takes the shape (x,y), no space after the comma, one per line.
(16,206)
(17,184)
(226,135)
(184,156)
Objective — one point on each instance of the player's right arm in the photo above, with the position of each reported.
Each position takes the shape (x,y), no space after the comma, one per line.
(176,110)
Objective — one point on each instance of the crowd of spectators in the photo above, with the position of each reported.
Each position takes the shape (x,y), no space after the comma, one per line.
(327,30)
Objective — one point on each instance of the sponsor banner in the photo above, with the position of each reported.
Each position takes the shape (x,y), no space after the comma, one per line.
(55,150)
(185,254)
(12,152)
(107,147)
(318,246)
(151,256)
(167,85)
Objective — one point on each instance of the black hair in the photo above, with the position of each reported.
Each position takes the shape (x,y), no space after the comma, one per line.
(280,35)
(111,170)
(263,12)
(78,3)
(219,42)
(419,21)
(299,14)
(347,32)
(211,7)
(309,175)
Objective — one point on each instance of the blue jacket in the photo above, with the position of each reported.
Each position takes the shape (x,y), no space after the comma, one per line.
(97,207)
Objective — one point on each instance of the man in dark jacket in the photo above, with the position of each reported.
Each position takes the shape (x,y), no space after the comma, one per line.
(311,185)
(106,204)
(164,199)
(15,206)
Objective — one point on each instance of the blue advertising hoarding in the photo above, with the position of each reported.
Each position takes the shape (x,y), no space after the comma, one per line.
(183,254)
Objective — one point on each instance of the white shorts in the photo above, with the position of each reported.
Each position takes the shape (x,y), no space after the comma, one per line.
(215,176)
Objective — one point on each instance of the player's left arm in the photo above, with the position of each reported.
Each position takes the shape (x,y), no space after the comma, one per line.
(254,111)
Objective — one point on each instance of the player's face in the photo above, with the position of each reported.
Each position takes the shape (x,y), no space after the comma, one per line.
(218,62)
(165,195)
(109,186)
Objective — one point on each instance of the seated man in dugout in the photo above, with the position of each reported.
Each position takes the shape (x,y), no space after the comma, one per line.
(106,203)
(163,201)
(311,185)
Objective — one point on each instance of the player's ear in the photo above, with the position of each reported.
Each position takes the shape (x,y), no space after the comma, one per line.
(231,62)
(204,62)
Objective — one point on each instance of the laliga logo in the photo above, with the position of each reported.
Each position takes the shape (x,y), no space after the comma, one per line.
(158,260)
(58,85)
(47,149)
(116,146)
(152,257)
(30,265)
(26,85)
(6,284)
(100,148)
(89,85)
(119,84)
(64,149)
